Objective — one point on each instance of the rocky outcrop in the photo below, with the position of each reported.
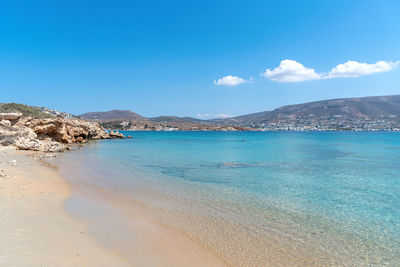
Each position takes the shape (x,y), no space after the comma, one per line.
(10,116)
(49,134)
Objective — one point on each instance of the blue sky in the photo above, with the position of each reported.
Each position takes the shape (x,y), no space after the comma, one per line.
(166,57)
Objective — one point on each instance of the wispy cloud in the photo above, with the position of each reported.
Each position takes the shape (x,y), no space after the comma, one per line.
(222,116)
(293,71)
(229,80)
(206,116)
(203,115)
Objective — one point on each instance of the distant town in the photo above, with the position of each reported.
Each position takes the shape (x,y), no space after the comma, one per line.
(335,123)
(289,124)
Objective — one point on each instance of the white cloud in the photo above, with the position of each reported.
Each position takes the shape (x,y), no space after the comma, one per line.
(355,69)
(229,81)
(291,71)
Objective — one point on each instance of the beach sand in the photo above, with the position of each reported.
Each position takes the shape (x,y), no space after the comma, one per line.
(36,230)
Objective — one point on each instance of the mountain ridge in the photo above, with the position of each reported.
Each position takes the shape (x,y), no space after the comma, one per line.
(370,106)
(175,119)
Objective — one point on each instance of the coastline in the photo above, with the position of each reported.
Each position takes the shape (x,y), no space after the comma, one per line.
(36,228)
(134,211)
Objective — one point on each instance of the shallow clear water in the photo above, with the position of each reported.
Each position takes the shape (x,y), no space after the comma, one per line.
(256,197)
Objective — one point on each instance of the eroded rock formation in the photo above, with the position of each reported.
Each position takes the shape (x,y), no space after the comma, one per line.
(49,134)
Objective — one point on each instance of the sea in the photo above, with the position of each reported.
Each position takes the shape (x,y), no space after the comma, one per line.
(258,198)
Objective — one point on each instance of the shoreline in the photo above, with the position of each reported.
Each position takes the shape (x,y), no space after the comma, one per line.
(228,240)
(37,225)
(136,232)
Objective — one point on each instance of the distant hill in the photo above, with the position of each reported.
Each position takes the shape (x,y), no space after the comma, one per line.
(375,107)
(176,119)
(32,111)
(365,113)
(112,115)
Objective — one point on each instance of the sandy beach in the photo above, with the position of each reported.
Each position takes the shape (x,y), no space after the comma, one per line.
(36,230)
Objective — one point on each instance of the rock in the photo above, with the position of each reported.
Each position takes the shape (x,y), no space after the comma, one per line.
(10,116)
(27,144)
(79,139)
(5,123)
(40,145)
(115,135)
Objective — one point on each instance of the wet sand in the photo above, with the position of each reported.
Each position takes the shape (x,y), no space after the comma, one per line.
(36,230)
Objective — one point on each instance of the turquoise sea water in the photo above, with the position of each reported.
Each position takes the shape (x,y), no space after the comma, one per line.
(259,197)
